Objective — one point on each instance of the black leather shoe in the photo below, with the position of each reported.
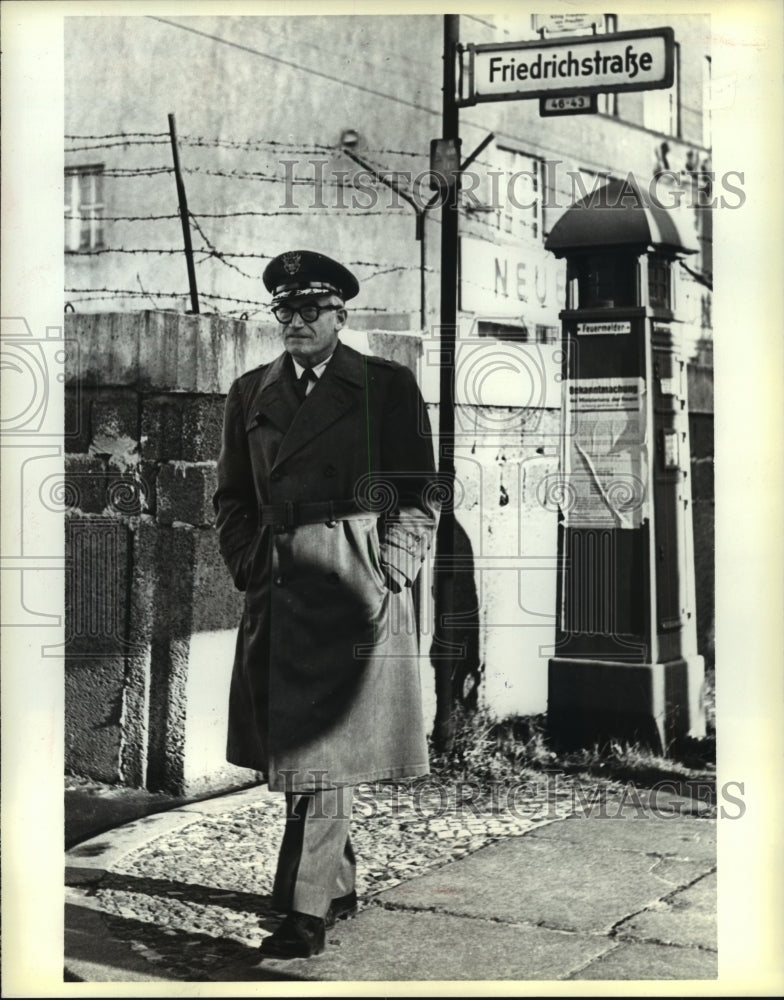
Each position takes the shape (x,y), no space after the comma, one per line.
(299,936)
(341,907)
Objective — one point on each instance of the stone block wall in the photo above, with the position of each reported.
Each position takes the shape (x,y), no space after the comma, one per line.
(143,416)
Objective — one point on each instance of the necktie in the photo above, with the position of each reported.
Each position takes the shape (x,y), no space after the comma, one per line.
(304,381)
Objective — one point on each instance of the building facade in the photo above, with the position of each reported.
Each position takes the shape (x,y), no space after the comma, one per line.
(275,119)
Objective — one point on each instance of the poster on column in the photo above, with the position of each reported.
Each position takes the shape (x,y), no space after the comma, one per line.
(605,453)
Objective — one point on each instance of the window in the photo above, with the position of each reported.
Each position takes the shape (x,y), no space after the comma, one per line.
(661,108)
(83,208)
(517,332)
(512,192)
(659,282)
(607,104)
(605,279)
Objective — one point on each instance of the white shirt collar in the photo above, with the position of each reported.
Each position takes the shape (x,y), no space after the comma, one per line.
(318,370)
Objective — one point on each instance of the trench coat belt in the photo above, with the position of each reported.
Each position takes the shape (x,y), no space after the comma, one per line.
(289,513)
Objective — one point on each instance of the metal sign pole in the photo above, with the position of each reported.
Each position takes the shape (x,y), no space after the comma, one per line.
(445,544)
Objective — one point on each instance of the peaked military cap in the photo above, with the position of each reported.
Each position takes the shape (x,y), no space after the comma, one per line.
(304,272)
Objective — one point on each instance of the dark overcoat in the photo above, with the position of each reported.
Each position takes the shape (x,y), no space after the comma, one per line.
(325,514)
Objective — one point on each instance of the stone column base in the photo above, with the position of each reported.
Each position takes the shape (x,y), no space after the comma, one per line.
(596,702)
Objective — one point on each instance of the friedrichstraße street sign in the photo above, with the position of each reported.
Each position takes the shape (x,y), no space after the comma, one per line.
(589,64)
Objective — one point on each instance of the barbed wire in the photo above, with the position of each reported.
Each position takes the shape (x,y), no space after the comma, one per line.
(302,211)
(136,171)
(235,215)
(122,142)
(98,251)
(79,137)
(398,152)
(210,250)
(102,294)
(247,146)
(400,267)
(249,175)
(99,294)
(122,218)
(254,145)
(214,252)
(241,145)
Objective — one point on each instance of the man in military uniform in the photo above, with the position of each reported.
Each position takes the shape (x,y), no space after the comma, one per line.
(325,511)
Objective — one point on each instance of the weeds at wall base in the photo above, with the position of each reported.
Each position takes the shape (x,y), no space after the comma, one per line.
(484,749)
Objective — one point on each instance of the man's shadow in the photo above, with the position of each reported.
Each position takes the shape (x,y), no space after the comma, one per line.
(154,945)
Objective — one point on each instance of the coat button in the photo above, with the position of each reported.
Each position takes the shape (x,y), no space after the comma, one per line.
(278,581)
(276,476)
(329,471)
(331,524)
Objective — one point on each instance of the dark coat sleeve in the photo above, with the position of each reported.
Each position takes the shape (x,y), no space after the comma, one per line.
(235,498)
(407,455)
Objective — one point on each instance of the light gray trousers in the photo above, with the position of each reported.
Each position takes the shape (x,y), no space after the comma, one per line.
(316,861)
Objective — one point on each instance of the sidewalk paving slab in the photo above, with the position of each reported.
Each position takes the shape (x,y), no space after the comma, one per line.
(687,837)
(686,918)
(652,961)
(394,945)
(551,878)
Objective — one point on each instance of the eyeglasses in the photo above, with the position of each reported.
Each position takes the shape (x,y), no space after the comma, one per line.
(309,312)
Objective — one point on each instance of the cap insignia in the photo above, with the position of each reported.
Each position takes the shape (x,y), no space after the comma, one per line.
(291,262)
